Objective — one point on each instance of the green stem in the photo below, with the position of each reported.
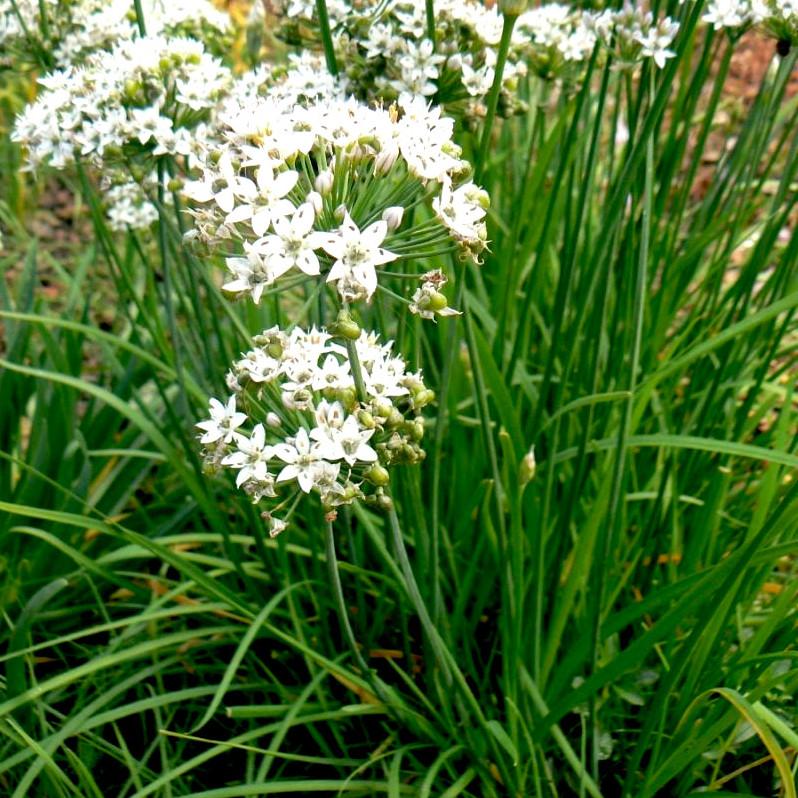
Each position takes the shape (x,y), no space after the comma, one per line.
(411,586)
(140,18)
(430,5)
(495,90)
(326,36)
(450,354)
(357,371)
(619,473)
(338,592)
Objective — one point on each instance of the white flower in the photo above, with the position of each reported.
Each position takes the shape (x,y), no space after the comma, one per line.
(333,373)
(463,211)
(250,273)
(348,442)
(292,245)
(303,459)
(276,526)
(223,423)
(268,203)
(252,457)
(357,254)
(655,42)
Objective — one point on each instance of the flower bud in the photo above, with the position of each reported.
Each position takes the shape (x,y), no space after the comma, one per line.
(384,502)
(366,420)
(348,398)
(324,182)
(393,216)
(315,200)
(513,8)
(272,419)
(340,212)
(384,160)
(346,326)
(377,475)
(526,471)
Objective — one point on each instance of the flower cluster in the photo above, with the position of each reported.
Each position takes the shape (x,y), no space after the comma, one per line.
(336,190)
(145,96)
(385,49)
(632,34)
(554,38)
(73,29)
(777,18)
(296,424)
(128,201)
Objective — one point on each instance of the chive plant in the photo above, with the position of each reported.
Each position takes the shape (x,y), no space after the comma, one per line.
(494,328)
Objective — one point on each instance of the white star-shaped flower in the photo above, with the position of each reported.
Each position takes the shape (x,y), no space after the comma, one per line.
(357,254)
(223,422)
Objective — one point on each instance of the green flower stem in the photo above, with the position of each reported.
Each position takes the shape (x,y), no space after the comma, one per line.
(411,586)
(495,90)
(326,36)
(430,5)
(453,676)
(335,582)
(450,353)
(171,321)
(357,371)
(140,18)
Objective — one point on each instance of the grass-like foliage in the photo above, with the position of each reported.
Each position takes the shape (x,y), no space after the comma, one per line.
(584,585)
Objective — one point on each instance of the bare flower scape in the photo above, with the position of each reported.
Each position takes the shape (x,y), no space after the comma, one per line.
(398,397)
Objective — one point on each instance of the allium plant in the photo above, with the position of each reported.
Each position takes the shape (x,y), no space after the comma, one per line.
(600,582)
(300,421)
(337,192)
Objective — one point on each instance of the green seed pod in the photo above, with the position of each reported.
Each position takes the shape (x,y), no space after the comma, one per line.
(275,349)
(423,397)
(437,301)
(382,407)
(348,329)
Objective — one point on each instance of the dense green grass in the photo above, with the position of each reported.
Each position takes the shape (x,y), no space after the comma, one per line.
(622,623)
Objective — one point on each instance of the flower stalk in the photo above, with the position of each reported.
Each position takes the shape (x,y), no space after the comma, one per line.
(495,91)
(326,36)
